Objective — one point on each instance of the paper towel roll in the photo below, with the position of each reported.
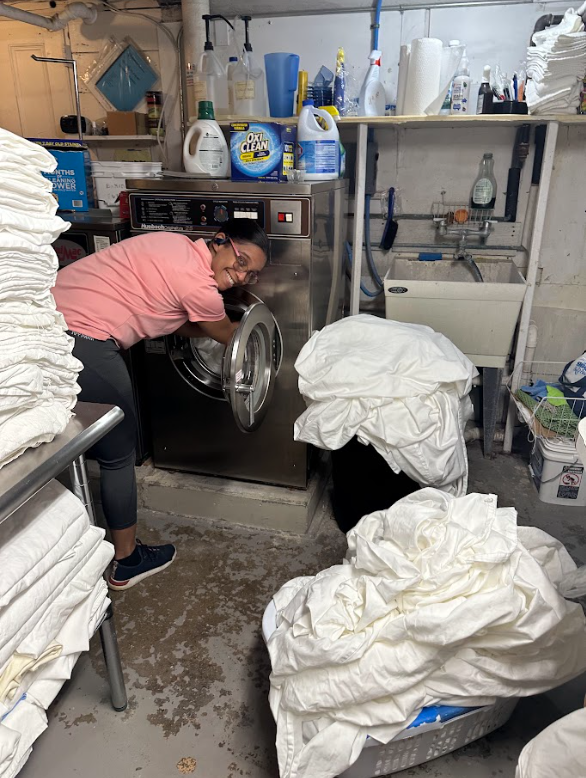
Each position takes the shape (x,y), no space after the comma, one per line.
(423,81)
(403,75)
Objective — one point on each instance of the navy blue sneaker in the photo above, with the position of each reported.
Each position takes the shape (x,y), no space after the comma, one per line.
(153,559)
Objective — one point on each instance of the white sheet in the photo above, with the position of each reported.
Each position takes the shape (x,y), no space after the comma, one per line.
(439,601)
(27,154)
(557,752)
(42,532)
(32,427)
(29,721)
(401,387)
(25,612)
(42,679)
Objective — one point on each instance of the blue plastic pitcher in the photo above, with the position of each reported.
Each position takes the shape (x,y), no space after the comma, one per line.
(282,71)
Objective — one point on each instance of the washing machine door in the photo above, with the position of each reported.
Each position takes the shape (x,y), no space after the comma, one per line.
(244,373)
(248,370)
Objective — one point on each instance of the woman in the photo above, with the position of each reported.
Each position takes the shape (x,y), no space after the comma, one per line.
(145,287)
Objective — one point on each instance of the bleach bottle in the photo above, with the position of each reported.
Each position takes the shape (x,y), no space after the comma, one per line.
(318,144)
(211,158)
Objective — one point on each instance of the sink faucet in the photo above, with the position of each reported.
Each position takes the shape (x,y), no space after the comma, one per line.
(464,256)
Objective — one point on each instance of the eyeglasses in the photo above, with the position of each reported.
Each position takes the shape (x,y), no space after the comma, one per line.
(241,266)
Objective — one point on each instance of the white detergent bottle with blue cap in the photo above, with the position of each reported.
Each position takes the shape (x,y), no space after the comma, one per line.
(318,144)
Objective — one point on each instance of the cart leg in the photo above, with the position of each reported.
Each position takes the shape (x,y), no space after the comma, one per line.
(81,489)
(491,385)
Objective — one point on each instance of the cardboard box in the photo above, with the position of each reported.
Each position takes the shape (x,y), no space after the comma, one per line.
(72,179)
(126,123)
(262,151)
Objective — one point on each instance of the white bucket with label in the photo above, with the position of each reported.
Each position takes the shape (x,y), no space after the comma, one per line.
(558,472)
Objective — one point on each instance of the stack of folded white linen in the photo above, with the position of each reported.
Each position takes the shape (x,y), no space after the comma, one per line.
(38,374)
(440,600)
(556,67)
(403,388)
(52,599)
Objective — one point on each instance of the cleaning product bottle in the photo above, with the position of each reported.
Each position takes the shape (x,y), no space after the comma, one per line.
(372,94)
(318,149)
(250,91)
(461,89)
(340,83)
(447,104)
(485,100)
(230,78)
(211,158)
(483,195)
(210,82)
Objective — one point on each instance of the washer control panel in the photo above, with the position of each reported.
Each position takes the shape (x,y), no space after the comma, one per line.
(186,213)
(201,215)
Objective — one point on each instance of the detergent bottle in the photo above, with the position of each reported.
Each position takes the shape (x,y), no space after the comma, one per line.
(372,95)
(318,144)
(210,158)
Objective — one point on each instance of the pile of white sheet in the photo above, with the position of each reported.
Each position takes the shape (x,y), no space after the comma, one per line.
(38,374)
(401,387)
(556,66)
(441,600)
(52,599)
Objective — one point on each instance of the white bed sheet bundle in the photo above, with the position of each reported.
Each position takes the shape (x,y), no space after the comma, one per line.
(402,388)
(38,374)
(441,600)
(52,599)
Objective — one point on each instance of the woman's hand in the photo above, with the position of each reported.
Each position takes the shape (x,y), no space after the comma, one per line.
(221,331)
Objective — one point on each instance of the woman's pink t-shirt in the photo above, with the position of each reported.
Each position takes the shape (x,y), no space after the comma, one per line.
(143,287)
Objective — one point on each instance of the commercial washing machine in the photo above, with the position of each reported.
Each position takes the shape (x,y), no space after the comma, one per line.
(232,414)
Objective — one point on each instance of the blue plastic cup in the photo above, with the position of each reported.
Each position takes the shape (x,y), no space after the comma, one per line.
(282,71)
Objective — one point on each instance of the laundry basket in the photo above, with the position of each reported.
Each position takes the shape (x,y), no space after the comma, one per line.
(415,746)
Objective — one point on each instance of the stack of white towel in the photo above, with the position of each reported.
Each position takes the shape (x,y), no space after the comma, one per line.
(52,599)
(556,66)
(38,374)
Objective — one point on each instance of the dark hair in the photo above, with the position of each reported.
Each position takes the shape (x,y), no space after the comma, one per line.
(247,231)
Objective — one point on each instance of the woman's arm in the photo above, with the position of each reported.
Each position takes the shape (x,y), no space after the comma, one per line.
(217,330)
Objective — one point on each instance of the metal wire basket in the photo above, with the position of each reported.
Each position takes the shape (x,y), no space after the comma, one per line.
(553,414)
(460,216)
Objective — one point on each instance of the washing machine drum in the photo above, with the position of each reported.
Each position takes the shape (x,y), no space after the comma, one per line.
(242,374)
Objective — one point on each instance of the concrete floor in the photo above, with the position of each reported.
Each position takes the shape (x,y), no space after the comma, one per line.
(197,670)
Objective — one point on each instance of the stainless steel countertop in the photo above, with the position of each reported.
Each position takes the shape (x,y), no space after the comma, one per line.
(221,187)
(22,479)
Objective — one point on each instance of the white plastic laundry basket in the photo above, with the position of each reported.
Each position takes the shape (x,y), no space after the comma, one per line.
(110,178)
(413,747)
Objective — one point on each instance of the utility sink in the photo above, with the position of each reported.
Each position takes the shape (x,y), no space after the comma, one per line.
(480,318)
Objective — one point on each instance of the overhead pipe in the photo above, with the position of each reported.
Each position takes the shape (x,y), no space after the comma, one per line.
(88,13)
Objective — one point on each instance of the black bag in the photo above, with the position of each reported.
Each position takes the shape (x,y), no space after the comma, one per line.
(363,483)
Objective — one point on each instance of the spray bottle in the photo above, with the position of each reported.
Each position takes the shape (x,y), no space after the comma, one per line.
(447,104)
(372,94)
(485,99)
(461,89)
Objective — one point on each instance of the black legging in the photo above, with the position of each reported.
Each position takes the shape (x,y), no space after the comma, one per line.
(105,379)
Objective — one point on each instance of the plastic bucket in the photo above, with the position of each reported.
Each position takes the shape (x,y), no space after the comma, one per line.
(558,472)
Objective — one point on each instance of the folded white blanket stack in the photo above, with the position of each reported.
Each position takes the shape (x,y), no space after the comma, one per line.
(403,388)
(38,374)
(556,67)
(52,599)
(441,600)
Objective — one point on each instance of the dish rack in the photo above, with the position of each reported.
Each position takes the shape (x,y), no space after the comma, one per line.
(544,419)
(430,741)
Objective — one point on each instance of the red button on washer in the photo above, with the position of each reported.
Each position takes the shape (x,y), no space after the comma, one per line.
(281,217)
